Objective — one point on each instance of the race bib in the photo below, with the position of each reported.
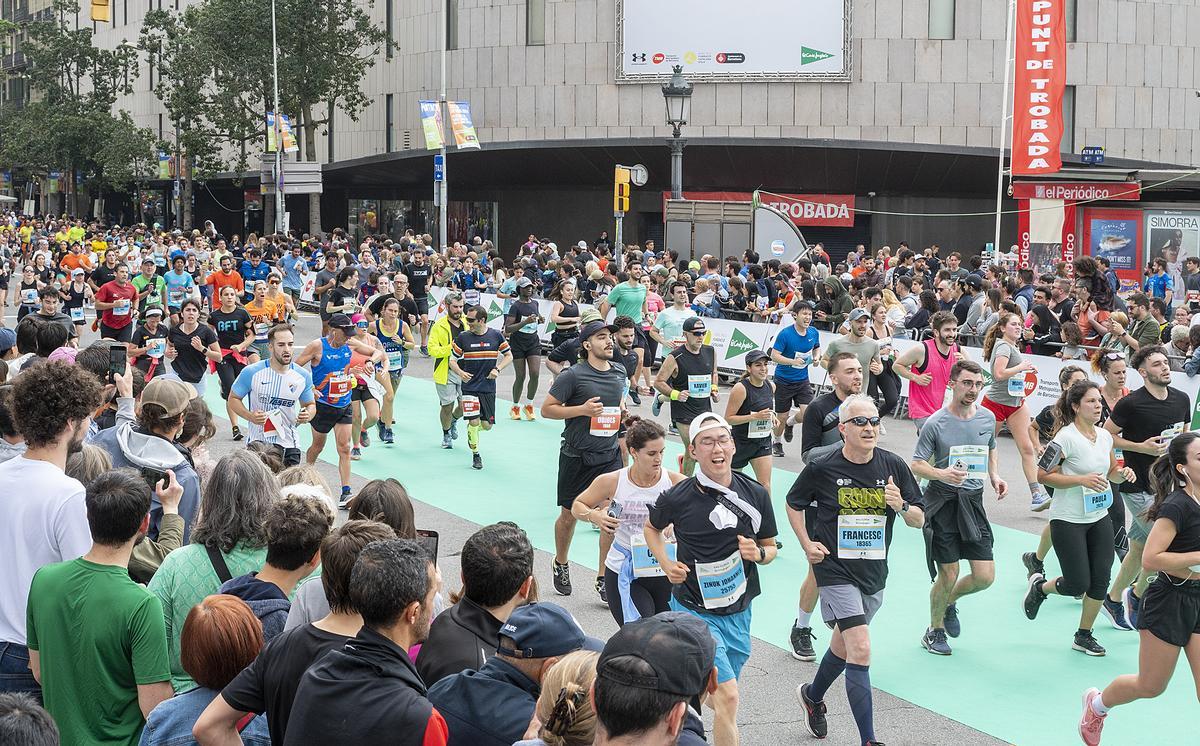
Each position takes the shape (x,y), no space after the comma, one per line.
(1173,430)
(1016,386)
(156,348)
(1095,502)
(471,297)
(722,582)
(804,359)
(29,297)
(645,565)
(77,314)
(607,423)
(260,331)
(121,308)
(176,296)
(160,261)
(276,420)
(340,385)
(699,386)
(470,405)
(972,459)
(530,328)
(862,537)
(396,361)
(760,428)
(1120,457)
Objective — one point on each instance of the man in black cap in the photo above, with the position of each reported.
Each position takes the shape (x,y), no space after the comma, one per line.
(492,706)
(589,397)
(648,679)
(750,412)
(688,378)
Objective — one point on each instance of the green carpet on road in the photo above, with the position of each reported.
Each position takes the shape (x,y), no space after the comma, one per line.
(1017,680)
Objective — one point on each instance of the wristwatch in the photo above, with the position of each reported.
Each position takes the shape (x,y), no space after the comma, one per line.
(762,554)
(904,507)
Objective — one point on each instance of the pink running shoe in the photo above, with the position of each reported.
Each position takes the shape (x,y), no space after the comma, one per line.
(1090,724)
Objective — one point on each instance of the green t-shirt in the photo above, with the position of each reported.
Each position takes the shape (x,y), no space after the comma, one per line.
(628,300)
(155,298)
(99,635)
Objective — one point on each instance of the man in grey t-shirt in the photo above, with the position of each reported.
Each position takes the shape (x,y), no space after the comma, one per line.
(856,342)
(955,451)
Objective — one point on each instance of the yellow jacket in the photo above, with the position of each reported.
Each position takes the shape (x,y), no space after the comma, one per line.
(440,338)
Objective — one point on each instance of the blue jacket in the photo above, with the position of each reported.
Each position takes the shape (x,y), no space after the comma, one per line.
(268,603)
(488,707)
(170,724)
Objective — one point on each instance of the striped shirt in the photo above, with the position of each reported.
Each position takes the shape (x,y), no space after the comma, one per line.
(477,354)
(277,394)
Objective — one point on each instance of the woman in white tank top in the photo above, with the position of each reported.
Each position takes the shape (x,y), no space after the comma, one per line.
(618,503)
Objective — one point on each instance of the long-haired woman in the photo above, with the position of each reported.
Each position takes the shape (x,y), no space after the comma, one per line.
(1005,397)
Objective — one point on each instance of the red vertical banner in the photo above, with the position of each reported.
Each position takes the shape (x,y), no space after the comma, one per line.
(1040,76)
(1070,239)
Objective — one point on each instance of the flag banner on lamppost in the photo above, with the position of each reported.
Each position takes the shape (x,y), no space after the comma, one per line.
(285,127)
(1039,80)
(431,124)
(461,124)
(52,182)
(164,165)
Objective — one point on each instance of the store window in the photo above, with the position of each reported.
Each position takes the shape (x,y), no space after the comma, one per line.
(391,218)
(535,23)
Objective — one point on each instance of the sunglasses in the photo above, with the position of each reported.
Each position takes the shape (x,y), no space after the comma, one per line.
(861,421)
(1115,355)
(274,282)
(698,332)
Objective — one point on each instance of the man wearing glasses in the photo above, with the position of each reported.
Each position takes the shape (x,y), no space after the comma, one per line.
(688,378)
(842,508)
(724,528)
(956,451)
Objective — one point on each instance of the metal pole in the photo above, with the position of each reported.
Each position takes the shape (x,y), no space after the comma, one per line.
(280,205)
(444,187)
(676,144)
(1004,114)
(619,242)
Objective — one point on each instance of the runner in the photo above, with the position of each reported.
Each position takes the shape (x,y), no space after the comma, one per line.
(28,292)
(420,279)
(521,326)
(1171,617)
(668,332)
(264,315)
(328,359)
(226,277)
(725,528)
(749,411)
(445,380)
(927,367)
(480,354)
(252,270)
(150,286)
(75,297)
(955,451)
(589,397)
(564,314)
(192,346)
(629,298)
(842,508)
(1142,425)
(369,390)
(281,396)
(234,335)
(1082,474)
(396,337)
(177,285)
(794,350)
(688,378)
(148,345)
(1005,397)
(629,354)
(284,300)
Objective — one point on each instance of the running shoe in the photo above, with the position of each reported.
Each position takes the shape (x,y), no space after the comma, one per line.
(345,498)
(1040,501)
(1033,565)
(514,413)
(1034,596)
(476,461)
(380,430)
(454,429)
(950,621)
(1115,611)
(446,440)
(387,436)
(934,640)
(1086,643)
(562,579)
(802,646)
(656,405)
(364,439)
(355,454)
(1090,724)
(672,430)
(789,429)
(633,397)
(814,713)
(528,413)
(777,450)
(237,434)
(1133,606)
(601,589)
(424,350)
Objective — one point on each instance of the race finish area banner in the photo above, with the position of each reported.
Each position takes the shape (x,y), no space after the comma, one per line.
(733,339)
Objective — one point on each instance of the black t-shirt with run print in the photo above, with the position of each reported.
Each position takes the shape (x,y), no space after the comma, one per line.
(418,277)
(231,327)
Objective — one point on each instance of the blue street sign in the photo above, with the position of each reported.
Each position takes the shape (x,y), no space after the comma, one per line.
(1092,155)
(439,167)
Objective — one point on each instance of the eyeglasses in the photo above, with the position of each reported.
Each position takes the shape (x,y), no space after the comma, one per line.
(861,421)
(722,440)
(1115,355)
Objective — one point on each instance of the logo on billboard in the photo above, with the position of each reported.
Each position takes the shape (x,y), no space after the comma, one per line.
(809,56)
(638,58)
(494,312)
(778,247)
(730,58)
(658,58)
(739,344)
(689,58)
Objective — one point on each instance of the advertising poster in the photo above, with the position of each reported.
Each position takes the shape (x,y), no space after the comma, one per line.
(431,124)
(461,124)
(1173,235)
(1115,235)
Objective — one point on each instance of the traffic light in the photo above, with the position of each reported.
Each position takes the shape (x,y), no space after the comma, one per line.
(621,190)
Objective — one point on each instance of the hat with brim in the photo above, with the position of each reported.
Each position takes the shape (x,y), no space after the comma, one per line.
(341,322)
(596,326)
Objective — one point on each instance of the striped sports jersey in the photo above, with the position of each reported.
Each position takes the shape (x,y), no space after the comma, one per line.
(478,354)
(277,394)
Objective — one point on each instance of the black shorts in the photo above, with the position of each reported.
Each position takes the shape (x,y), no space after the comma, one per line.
(124,334)
(524,345)
(291,456)
(790,394)
(682,414)
(947,545)
(487,407)
(327,417)
(422,304)
(361,392)
(1171,612)
(575,474)
(750,449)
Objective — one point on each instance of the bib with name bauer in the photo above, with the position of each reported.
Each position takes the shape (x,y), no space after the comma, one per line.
(699,385)
(645,565)
(972,459)
(862,537)
(607,423)
(722,583)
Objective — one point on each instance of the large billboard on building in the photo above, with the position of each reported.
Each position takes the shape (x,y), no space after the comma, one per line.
(732,40)
(1173,235)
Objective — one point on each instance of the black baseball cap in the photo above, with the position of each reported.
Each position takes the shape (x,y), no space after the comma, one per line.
(753,356)
(593,327)
(342,321)
(676,645)
(695,324)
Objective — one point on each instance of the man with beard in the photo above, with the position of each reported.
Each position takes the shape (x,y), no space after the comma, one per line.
(281,396)
(52,406)
(927,367)
(445,380)
(955,451)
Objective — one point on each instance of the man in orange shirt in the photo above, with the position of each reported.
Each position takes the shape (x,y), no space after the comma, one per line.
(76,259)
(226,277)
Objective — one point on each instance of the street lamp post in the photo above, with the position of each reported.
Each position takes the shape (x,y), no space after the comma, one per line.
(677,93)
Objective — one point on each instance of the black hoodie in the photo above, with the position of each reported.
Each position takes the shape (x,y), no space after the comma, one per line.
(366,692)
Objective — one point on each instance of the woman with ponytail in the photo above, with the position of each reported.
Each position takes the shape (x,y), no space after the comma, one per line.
(564,714)
(1170,618)
(1005,397)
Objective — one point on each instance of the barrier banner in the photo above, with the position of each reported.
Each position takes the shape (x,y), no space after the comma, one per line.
(1040,77)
